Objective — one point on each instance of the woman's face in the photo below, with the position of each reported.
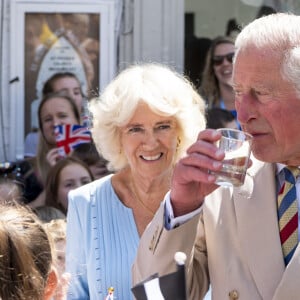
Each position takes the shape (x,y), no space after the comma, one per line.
(149,142)
(55,111)
(71,86)
(221,63)
(71,177)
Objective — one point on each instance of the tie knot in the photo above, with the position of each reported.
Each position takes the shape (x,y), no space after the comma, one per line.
(291,173)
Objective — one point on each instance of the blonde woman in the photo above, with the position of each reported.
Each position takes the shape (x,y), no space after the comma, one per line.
(142,124)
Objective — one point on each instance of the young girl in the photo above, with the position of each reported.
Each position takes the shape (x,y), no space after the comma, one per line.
(68,174)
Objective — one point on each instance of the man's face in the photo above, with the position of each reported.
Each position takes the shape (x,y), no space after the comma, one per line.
(268,106)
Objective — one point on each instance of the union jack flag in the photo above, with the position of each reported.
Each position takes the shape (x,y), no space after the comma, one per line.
(69,136)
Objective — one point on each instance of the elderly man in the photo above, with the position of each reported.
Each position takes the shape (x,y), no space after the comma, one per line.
(236,239)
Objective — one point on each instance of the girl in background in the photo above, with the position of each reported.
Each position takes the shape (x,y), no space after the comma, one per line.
(68,173)
(216,86)
(69,83)
(55,109)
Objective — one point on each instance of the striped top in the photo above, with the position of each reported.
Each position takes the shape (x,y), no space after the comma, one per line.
(102,241)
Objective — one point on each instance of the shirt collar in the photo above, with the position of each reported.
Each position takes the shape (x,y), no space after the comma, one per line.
(279,167)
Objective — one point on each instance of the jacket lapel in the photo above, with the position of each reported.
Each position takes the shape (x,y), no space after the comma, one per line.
(257,223)
(289,287)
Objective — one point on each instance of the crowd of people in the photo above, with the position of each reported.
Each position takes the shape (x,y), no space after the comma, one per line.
(41,182)
(93,223)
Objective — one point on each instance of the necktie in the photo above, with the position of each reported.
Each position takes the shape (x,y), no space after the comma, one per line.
(288,213)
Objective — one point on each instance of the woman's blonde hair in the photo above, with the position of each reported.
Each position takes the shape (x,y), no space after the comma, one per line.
(165,91)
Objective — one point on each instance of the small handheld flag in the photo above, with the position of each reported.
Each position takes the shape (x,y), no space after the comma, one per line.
(69,136)
(168,287)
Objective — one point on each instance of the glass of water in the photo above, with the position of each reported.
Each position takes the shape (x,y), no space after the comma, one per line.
(237,147)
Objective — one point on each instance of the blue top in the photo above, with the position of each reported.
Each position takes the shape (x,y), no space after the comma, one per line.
(102,241)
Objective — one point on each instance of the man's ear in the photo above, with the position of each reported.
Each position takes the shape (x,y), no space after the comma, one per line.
(51,285)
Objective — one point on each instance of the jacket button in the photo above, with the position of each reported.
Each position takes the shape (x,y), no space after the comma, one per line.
(233,295)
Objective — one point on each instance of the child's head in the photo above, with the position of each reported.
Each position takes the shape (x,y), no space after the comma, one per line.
(56,230)
(10,191)
(88,153)
(25,256)
(220,118)
(67,174)
(65,82)
(48,213)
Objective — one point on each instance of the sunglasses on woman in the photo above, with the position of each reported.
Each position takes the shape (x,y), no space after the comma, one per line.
(218,59)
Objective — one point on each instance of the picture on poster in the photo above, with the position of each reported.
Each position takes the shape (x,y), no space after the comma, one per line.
(58,43)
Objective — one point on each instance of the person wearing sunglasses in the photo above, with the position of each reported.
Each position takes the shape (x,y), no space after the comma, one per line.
(216,82)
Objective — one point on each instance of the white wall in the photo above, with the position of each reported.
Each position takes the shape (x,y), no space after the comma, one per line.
(212,15)
(153,31)
(5,121)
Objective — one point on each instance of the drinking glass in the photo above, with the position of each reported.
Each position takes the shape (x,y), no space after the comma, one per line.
(237,147)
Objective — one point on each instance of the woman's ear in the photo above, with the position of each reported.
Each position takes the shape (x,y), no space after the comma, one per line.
(51,285)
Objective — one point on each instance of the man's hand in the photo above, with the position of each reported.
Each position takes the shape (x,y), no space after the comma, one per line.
(192,180)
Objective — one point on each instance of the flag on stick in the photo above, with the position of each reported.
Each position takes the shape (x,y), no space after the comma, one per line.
(69,136)
(168,287)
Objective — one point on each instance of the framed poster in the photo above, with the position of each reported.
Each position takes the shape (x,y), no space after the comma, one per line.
(49,37)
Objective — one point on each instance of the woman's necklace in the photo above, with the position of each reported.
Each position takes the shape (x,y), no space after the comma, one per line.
(136,196)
